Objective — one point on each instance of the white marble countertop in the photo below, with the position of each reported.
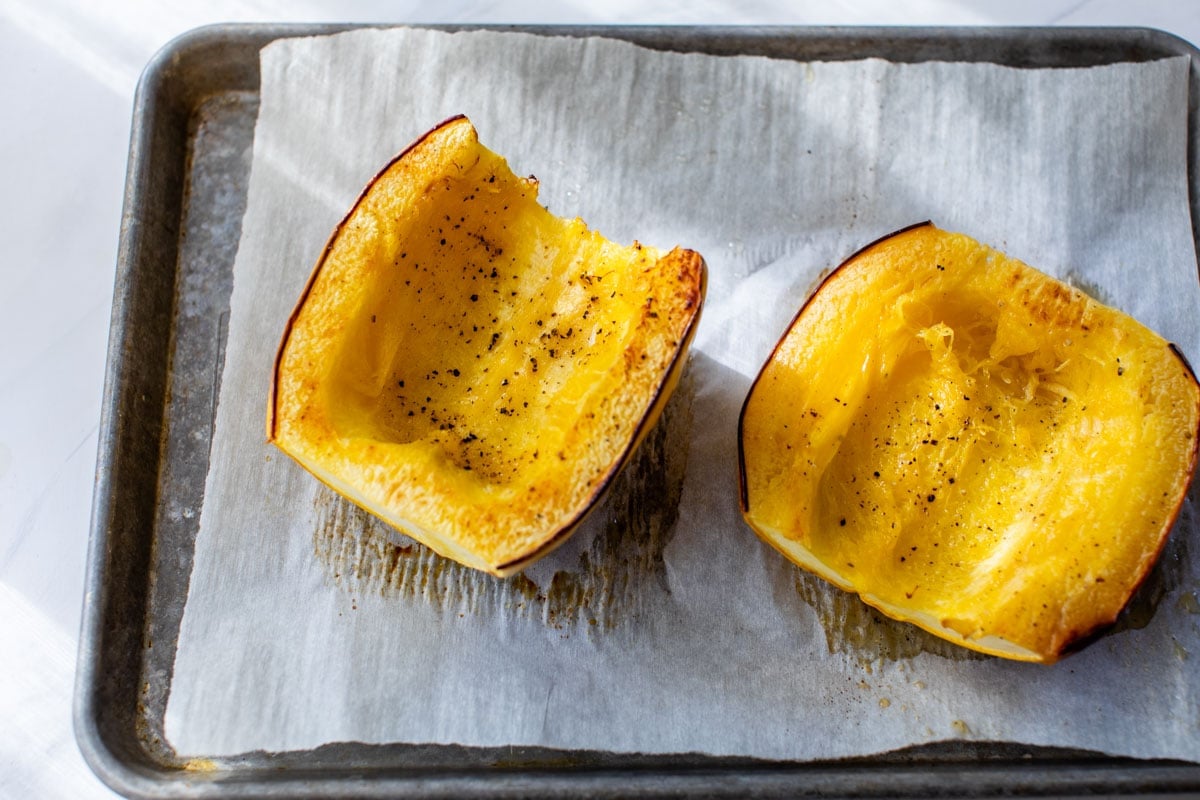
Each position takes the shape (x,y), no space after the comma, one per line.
(68,69)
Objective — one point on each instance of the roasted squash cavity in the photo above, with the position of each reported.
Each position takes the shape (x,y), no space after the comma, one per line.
(471,368)
(969,445)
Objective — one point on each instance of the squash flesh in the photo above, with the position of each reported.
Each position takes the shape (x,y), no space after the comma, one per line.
(470,367)
(969,445)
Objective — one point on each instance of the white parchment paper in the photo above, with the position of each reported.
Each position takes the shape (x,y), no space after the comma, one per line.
(774,171)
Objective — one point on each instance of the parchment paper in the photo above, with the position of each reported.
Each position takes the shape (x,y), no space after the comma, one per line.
(666,625)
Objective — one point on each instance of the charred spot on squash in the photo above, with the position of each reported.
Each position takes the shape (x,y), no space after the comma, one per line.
(941,416)
(459,363)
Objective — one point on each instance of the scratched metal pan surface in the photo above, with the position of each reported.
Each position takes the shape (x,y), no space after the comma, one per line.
(185,193)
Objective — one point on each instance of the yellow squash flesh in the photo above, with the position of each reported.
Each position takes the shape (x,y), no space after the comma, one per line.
(470,368)
(969,445)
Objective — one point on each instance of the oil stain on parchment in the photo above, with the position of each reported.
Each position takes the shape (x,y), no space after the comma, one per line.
(615,577)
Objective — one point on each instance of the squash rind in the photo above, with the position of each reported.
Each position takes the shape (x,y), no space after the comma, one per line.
(1017,593)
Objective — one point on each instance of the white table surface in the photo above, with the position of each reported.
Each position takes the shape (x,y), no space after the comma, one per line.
(68,69)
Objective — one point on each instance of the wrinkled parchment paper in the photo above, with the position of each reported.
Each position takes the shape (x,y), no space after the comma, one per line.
(665,625)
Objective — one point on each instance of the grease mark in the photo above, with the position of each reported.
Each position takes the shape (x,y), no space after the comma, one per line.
(618,575)
(1188,602)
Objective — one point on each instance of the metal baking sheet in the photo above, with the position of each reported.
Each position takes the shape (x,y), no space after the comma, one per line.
(189,160)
